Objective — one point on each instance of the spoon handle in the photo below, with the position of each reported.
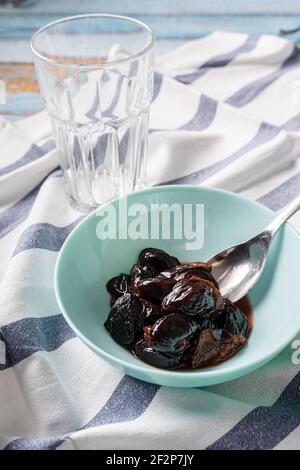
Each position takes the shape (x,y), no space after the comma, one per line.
(283,216)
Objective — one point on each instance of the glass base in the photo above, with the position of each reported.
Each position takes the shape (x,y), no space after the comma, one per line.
(86,208)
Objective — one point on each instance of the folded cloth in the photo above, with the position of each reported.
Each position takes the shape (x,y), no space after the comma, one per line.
(225,113)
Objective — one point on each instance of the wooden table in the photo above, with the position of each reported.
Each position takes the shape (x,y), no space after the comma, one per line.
(173,21)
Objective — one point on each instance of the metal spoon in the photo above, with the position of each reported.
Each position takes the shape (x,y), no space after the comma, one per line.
(239,267)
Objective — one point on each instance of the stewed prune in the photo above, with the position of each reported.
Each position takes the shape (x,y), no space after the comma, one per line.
(171,333)
(154,288)
(187,270)
(139,272)
(204,275)
(228,333)
(156,260)
(215,346)
(118,285)
(206,350)
(172,315)
(125,320)
(183,267)
(230,318)
(150,312)
(192,297)
(230,346)
(158,358)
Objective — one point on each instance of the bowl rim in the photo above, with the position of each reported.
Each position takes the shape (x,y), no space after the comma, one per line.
(205,373)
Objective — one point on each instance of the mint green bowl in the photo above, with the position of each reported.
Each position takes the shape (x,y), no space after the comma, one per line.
(85,263)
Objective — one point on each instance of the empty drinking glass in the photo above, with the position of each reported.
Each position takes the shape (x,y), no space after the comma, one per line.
(95,75)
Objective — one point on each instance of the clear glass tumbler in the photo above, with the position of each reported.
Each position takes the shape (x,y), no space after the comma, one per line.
(95,75)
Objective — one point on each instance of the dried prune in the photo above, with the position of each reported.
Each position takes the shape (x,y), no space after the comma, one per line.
(125,320)
(192,297)
(139,272)
(187,270)
(156,260)
(230,318)
(228,333)
(206,350)
(157,358)
(154,289)
(171,333)
(204,275)
(214,346)
(151,312)
(118,285)
(183,267)
(230,346)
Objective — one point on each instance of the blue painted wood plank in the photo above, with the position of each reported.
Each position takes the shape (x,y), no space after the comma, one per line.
(169,7)
(184,27)
(22,103)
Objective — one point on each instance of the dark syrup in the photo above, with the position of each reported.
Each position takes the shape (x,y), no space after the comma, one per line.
(245,306)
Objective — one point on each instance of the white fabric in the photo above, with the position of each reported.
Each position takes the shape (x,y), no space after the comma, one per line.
(54,392)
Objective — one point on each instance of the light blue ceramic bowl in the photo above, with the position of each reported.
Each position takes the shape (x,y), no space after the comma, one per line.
(85,263)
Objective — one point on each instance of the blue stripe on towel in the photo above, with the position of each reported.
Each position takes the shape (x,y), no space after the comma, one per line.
(128,402)
(25,337)
(157,83)
(249,92)
(265,426)
(282,194)
(35,152)
(14,215)
(204,115)
(292,124)
(265,133)
(202,119)
(220,60)
(44,236)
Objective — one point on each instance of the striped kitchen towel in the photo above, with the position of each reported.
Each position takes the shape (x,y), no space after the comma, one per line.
(225,113)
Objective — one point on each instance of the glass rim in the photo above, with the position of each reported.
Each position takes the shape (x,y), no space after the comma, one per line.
(147,48)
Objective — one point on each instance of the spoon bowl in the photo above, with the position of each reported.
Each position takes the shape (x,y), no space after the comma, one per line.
(238,268)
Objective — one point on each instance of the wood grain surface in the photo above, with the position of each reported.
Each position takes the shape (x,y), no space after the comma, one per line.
(173,21)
